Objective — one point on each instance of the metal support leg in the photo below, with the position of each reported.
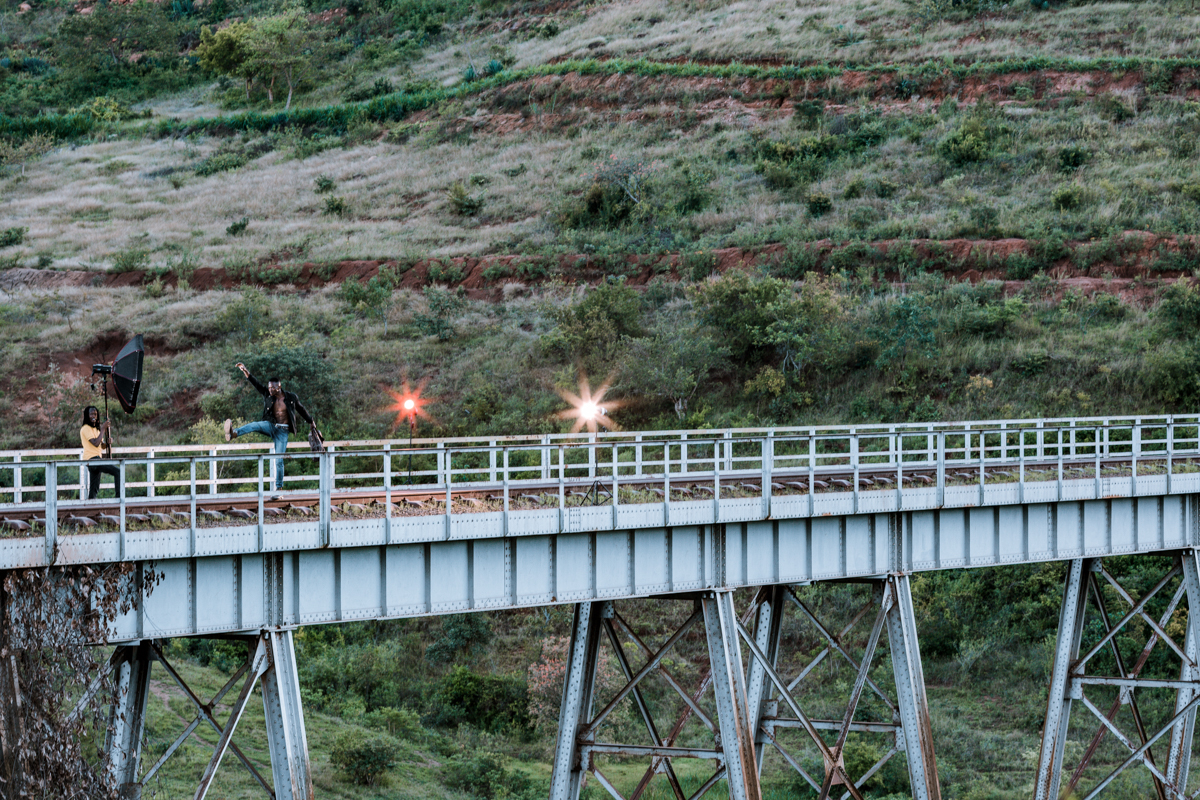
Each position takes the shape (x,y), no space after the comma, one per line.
(1179,760)
(729,686)
(910,692)
(124,740)
(285,720)
(759,689)
(1058,704)
(576,707)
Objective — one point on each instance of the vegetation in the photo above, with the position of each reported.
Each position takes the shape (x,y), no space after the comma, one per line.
(763,213)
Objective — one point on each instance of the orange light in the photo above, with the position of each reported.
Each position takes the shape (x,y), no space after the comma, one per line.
(408,405)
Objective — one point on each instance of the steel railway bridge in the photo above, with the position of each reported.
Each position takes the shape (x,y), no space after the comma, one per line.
(386,529)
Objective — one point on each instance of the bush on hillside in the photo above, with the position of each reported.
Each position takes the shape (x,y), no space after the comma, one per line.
(363,758)
(493,703)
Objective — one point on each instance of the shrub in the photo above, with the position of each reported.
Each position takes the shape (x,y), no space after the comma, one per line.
(363,758)
(1191,191)
(238,228)
(1030,364)
(818,204)
(1072,157)
(445,273)
(443,305)
(1114,108)
(885,188)
(862,217)
(463,203)
(493,703)
(12,237)
(497,272)
(699,266)
(852,257)
(1019,267)
(323,184)
(1066,198)
(797,261)
(130,259)
(487,776)
(220,162)
(967,144)
(1049,251)
(335,206)
(1179,310)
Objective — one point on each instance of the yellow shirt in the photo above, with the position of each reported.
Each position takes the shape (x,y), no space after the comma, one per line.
(90,450)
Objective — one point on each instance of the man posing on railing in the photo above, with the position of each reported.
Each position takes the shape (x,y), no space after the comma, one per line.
(278,418)
(91,436)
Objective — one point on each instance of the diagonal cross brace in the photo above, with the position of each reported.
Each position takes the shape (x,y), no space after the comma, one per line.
(195,723)
(800,715)
(204,711)
(1153,625)
(1077,668)
(259,664)
(642,673)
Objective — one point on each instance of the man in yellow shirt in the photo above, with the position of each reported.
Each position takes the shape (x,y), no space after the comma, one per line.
(91,435)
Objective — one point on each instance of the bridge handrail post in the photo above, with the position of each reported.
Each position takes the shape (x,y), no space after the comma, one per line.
(728,450)
(1170,451)
(449,497)
(545,457)
(616,491)
(982,469)
(666,484)
(683,454)
(637,469)
(324,496)
(1021,471)
(853,447)
(192,506)
(51,511)
(261,496)
(212,473)
(562,492)
(1099,492)
(491,460)
(768,468)
(812,471)
(592,456)
(150,474)
(17,478)
(121,492)
(387,491)
(1041,440)
(1060,469)
(717,480)
(505,492)
(941,468)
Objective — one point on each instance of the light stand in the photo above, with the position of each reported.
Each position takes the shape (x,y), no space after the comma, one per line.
(104,370)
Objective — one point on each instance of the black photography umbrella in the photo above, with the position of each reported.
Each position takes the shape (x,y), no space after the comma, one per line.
(126,371)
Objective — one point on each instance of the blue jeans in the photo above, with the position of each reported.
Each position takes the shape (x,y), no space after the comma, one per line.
(278,433)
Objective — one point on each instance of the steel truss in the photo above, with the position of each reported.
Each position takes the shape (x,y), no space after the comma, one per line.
(748,691)
(270,663)
(1086,580)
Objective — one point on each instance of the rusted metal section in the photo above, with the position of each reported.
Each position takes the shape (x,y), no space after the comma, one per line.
(1179,755)
(729,686)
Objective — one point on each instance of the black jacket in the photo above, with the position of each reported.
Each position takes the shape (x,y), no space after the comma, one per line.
(294,406)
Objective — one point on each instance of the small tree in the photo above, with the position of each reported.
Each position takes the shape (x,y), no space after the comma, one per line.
(120,34)
(370,299)
(229,51)
(288,46)
(363,758)
(672,363)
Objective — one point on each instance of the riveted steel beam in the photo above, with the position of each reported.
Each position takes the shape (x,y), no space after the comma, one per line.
(578,690)
(1058,704)
(729,685)
(911,702)
(286,736)
(128,719)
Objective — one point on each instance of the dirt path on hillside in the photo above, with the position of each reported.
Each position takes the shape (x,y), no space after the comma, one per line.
(1134,263)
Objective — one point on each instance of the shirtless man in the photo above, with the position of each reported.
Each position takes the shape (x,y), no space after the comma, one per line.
(280,409)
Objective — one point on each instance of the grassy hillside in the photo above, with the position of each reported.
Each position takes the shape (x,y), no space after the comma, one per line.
(759,212)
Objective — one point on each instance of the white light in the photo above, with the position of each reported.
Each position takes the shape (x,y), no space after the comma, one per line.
(409,404)
(589,410)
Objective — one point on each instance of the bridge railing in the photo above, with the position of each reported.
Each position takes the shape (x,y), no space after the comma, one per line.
(595,469)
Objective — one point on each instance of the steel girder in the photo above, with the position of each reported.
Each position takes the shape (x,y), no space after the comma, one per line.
(1088,578)
(746,696)
(909,725)
(271,662)
(128,719)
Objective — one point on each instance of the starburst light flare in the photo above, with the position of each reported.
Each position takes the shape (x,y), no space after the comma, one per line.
(408,405)
(587,409)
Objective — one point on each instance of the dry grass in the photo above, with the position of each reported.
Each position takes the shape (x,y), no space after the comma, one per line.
(805,31)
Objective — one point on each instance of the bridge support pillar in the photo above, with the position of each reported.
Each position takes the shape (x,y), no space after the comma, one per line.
(910,692)
(1058,704)
(286,737)
(131,667)
(575,712)
(1180,756)
(729,686)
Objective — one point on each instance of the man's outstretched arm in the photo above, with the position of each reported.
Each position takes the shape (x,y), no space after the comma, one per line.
(253,381)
